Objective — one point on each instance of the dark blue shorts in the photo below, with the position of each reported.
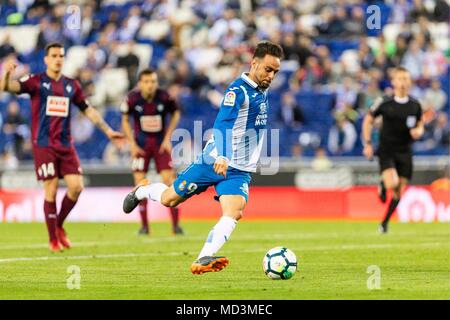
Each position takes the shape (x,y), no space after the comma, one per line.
(198,177)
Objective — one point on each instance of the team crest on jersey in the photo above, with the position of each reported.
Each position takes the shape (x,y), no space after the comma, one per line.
(46,85)
(139,108)
(263,108)
(230,99)
(160,107)
(411,121)
(69,88)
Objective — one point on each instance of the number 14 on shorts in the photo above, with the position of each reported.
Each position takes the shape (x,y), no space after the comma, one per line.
(46,170)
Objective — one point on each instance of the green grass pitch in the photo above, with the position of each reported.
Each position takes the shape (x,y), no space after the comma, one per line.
(333,259)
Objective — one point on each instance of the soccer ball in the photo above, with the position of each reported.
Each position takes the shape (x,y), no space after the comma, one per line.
(280,263)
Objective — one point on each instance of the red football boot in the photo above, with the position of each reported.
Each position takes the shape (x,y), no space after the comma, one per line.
(62,238)
(54,246)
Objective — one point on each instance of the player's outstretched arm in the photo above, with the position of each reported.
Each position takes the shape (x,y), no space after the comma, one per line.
(7,83)
(136,151)
(366,135)
(93,115)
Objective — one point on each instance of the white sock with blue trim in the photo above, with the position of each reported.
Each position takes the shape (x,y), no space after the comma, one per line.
(218,236)
(153,191)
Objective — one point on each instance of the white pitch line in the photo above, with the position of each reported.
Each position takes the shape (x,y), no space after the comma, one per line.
(99,243)
(272,236)
(44,245)
(153,254)
(97,256)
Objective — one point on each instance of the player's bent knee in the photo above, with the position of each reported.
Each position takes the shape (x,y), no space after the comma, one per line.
(237,215)
(169,203)
(75,191)
(78,189)
(166,202)
(171,199)
(392,184)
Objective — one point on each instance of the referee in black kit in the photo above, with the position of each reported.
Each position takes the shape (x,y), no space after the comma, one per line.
(402,124)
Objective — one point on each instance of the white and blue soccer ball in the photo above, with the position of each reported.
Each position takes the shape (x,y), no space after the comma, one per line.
(280,263)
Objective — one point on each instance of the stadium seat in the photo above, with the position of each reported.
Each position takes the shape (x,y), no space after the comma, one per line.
(155,30)
(142,51)
(23,38)
(337,47)
(114,2)
(309,21)
(373,43)
(439,33)
(115,81)
(75,59)
(391,31)
(350,60)
(189,40)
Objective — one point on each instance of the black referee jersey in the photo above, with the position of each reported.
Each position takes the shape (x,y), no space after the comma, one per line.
(399,116)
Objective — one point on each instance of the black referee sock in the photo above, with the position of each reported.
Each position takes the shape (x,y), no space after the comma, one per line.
(392,205)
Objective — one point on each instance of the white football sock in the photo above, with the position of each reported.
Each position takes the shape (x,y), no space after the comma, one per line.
(153,191)
(218,236)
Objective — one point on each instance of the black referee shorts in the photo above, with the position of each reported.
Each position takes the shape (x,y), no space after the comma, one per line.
(401,161)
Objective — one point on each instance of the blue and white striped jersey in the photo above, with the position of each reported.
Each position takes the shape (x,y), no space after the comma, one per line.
(240,126)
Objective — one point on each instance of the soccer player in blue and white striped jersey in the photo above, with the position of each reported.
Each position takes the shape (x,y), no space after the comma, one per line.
(228,159)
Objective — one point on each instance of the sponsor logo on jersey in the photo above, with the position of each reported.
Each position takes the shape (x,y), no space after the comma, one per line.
(57,106)
(151,123)
(261,118)
(230,99)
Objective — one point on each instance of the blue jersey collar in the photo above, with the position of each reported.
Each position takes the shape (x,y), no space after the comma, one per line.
(245,77)
(252,83)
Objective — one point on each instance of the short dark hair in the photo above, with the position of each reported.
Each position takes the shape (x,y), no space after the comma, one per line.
(267,47)
(145,72)
(400,69)
(52,45)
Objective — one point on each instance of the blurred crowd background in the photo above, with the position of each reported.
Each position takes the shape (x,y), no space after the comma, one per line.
(337,63)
